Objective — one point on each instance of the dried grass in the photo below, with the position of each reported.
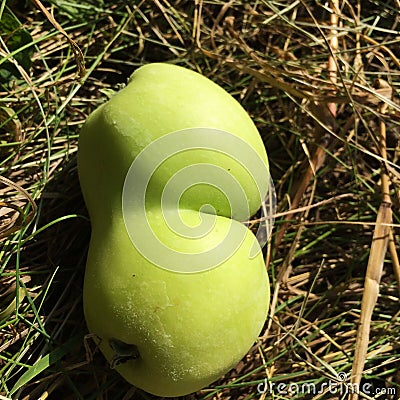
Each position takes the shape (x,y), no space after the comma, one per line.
(321,82)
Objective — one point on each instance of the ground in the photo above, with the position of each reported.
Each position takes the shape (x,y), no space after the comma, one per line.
(321,83)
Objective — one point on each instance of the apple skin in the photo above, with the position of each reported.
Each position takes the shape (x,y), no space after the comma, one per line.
(188,329)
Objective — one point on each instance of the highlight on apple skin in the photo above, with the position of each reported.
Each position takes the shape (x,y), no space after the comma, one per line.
(176,289)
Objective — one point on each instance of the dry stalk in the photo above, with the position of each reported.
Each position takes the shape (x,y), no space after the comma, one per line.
(79,58)
(395,260)
(332,64)
(376,260)
(318,158)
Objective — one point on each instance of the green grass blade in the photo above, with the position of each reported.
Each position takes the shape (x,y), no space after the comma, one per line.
(45,362)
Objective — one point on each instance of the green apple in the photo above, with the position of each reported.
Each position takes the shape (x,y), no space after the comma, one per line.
(175,287)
